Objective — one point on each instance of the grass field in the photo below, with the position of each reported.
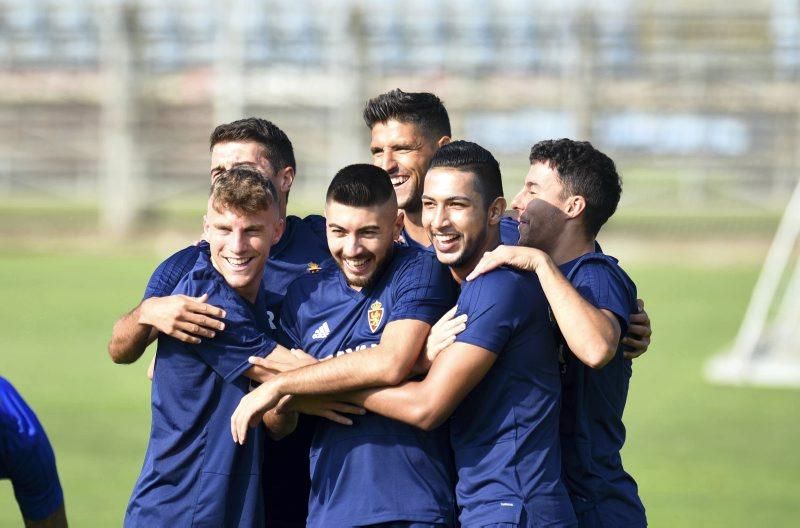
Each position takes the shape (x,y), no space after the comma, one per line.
(704,456)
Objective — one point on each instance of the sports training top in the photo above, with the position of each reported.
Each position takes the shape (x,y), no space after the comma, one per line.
(505,432)
(26,457)
(302,249)
(592,432)
(193,472)
(376,470)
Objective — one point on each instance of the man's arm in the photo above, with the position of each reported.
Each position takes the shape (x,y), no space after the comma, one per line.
(428,403)
(591,333)
(180,316)
(389,363)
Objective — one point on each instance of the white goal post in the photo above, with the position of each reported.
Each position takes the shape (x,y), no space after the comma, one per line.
(768,352)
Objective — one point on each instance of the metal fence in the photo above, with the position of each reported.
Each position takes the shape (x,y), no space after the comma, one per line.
(114,100)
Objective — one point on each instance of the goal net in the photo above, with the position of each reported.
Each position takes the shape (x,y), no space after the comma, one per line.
(767,348)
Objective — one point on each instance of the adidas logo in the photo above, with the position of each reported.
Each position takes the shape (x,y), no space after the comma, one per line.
(322,332)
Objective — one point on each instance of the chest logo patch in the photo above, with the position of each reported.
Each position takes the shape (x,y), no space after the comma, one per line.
(375,315)
(313,267)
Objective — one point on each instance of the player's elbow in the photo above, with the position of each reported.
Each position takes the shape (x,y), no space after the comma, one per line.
(118,354)
(599,353)
(426,415)
(394,373)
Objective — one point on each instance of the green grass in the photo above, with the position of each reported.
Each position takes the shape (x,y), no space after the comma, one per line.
(703,455)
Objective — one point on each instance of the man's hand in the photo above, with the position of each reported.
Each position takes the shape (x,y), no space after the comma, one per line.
(519,257)
(323,406)
(278,362)
(639,332)
(442,335)
(251,410)
(184,318)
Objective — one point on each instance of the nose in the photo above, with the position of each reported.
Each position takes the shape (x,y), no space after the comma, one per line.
(388,162)
(352,246)
(518,203)
(437,217)
(238,242)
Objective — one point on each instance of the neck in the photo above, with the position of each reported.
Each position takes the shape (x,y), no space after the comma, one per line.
(412,222)
(249,292)
(283,203)
(570,248)
(492,241)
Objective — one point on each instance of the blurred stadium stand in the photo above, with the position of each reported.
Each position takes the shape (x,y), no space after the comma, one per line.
(700,96)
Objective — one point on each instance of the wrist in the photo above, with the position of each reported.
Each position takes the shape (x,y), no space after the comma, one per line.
(144,311)
(278,385)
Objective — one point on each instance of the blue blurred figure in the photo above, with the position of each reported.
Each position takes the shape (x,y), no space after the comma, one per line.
(27,458)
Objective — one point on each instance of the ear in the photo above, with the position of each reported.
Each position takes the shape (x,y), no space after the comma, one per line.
(206,227)
(496,210)
(574,206)
(444,140)
(397,228)
(285,178)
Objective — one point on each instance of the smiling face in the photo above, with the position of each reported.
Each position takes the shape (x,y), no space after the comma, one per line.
(540,205)
(361,239)
(240,244)
(404,151)
(455,218)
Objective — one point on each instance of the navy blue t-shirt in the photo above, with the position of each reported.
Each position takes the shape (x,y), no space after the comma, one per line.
(509,235)
(302,248)
(193,472)
(26,457)
(592,432)
(505,432)
(376,470)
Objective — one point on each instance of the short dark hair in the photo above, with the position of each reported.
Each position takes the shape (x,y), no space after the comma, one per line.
(423,109)
(277,145)
(243,189)
(360,185)
(473,158)
(584,171)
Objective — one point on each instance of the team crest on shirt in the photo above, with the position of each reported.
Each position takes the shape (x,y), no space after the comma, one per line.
(313,267)
(375,315)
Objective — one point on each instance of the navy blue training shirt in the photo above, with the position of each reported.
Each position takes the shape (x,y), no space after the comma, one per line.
(505,432)
(193,472)
(377,470)
(509,235)
(302,248)
(592,432)
(26,457)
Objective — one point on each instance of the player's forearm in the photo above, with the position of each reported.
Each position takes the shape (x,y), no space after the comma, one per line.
(589,333)
(130,338)
(410,403)
(372,367)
